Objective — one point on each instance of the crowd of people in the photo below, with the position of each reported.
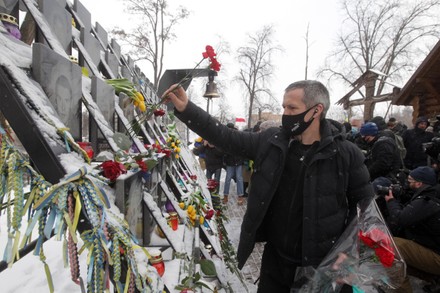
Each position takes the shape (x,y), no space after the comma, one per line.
(308,175)
(238,169)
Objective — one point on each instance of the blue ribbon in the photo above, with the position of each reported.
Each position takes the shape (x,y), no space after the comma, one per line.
(49,223)
(66,142)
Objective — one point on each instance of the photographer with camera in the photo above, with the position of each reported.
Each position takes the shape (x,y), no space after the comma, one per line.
(420,220)
(432,149)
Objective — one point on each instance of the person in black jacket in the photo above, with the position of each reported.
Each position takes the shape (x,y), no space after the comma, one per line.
(306,183)
(413,140)
(213,159)
(382,158)
(420,219)
(234,169)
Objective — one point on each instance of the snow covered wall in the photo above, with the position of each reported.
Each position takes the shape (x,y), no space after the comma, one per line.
(55,95)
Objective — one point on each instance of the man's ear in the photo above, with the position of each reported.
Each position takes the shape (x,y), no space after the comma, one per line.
(318,109)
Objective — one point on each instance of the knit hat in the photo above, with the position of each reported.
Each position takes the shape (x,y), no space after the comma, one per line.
(379,121)
(392,121)
(422,119)
(425,175)
(369,128)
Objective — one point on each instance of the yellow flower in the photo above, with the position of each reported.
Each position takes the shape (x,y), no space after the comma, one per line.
(142,106)
(182,205)
(173,144)
(140,96)
(190,208)
(201,220)
(176,156)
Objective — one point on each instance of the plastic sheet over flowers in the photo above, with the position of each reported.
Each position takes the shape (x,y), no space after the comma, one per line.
(364,257)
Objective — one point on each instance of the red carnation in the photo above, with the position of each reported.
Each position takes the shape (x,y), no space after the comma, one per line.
(381,243)
(215,65)
(167,152)
(142,165)
(209,52)
(212,184)
(209,214)
(113,169)
(159,112)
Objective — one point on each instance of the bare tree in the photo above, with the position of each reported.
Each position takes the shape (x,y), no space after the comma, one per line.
(223,113)
(381,35)
(306,38)
(256,68)
(148,40)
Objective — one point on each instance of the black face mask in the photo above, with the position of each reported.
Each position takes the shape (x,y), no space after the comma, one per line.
(295,124)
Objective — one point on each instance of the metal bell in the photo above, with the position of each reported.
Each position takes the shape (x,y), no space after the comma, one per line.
(211,88)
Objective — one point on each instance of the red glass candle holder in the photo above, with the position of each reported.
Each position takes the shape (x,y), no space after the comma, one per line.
(86,146)
(156,261)
(173,221)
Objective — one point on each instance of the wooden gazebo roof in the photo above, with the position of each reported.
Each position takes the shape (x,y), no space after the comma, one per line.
(422,91)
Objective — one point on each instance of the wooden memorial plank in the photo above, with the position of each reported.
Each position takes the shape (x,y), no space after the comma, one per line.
(95,112)
(45,28)
(81,14)
(61,80)
(42,149)
(178,175)
(172,198)
(92,47)
(103,93)
(59,21)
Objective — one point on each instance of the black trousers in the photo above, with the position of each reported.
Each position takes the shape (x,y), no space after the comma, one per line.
(277,274)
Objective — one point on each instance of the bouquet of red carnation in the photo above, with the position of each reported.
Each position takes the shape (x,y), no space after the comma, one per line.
(112,169)
(365,257)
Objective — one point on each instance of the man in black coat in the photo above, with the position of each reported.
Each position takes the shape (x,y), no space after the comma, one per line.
(213,159)
(306,183)
(382,156)
(420,219)
(414,140)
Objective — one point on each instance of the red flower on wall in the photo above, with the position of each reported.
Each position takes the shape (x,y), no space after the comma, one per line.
(142,165)
(159,112)
(112,169)
(209,214)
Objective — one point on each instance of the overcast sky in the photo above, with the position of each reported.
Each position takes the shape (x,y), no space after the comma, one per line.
(232,20)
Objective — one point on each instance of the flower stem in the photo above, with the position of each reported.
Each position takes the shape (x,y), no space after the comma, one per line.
(185,78)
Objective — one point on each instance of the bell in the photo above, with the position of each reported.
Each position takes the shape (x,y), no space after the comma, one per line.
(211,88)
